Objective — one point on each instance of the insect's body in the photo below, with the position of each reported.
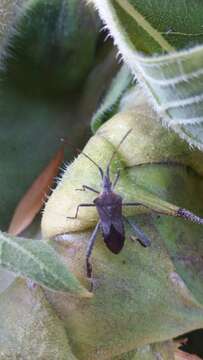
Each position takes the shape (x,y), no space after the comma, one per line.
(109,207)
(111,220)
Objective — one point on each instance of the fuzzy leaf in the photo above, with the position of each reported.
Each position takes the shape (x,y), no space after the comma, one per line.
(37,261)
(172,82)
(6,278)
(29,328)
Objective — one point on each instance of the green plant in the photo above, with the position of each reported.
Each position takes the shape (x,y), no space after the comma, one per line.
(54,62)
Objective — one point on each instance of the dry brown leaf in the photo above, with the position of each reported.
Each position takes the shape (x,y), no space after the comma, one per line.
(33,200)
(181,355)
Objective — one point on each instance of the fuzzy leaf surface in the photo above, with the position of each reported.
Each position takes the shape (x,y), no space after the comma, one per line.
(37,261)
(29,328)
(170,67)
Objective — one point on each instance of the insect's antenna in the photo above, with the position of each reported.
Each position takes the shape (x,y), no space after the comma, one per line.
(116,149)
(65,141)
(98,167)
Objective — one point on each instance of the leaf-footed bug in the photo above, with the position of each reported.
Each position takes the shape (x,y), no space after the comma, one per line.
(109,207)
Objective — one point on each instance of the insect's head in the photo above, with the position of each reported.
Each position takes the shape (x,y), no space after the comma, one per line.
(107,184)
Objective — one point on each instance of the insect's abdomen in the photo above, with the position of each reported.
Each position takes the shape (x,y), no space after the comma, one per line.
(114,240)
(109,207)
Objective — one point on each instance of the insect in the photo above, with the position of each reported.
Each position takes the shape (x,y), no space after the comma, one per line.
(109,206)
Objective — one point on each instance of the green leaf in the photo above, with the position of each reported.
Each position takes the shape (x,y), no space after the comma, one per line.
(42,73)
(111,101)
(172,82)
(29,328)
(6,278)
(47,47)
(152,28)
(38,261)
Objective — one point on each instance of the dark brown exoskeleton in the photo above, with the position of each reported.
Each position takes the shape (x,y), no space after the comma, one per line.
(109,207)
(111,220)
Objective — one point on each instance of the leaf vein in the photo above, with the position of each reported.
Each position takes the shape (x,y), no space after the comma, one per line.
(31,256)
(139,18)
(182,102)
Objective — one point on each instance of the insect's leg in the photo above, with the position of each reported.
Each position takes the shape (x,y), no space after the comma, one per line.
(116,179)
(77,210)
(131,204)
(89,250)
(188,215)
(86,187)
(181,212)
(142,238)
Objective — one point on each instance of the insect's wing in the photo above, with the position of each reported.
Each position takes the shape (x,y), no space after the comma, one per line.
(109,207)
(115,237)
